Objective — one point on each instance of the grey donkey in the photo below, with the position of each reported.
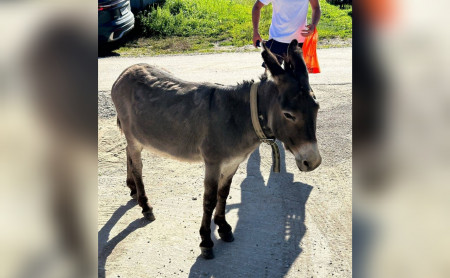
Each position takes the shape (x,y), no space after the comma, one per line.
(211,123)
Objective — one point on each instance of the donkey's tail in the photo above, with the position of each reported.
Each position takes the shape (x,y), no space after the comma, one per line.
(119,125)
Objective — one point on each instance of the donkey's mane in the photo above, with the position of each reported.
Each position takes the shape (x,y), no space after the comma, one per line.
(247,83)
(263,77)
(244,84)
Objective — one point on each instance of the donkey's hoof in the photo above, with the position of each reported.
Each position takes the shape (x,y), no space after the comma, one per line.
(149,215)
(133,194)
(207,253)
(227,237)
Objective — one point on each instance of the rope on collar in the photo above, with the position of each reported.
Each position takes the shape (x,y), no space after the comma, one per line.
(259,131)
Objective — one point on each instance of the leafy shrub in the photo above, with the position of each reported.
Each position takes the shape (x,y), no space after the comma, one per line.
(342,3)
(227,21)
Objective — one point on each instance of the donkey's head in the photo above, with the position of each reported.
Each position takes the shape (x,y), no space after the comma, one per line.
(292,116)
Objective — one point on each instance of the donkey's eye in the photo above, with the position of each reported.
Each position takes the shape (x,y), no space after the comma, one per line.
(289,116)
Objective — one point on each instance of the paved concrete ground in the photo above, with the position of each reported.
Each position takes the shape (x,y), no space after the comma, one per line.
(290,224)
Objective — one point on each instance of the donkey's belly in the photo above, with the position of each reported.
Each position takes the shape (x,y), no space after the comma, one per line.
(179,144)
(175,153)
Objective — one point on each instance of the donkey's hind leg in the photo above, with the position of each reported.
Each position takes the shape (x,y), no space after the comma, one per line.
(134,154)
(130,180)
(226,177)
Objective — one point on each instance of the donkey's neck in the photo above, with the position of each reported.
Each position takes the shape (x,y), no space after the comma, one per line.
(232,103)
(240,92)
(238,104)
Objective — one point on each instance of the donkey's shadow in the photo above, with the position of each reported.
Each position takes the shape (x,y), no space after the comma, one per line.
(269,229)
(105,246)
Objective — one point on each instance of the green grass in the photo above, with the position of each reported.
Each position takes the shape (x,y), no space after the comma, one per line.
(177,26)
(334,22)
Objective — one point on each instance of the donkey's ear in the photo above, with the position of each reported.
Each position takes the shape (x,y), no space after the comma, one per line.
(272,63)
(295,57)
(288,67)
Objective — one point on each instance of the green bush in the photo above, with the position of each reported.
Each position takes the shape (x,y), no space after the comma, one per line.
(226,21)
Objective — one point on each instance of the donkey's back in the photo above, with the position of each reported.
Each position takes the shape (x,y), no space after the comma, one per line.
(161,112)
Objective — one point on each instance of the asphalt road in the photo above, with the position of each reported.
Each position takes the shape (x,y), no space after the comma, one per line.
(290,224)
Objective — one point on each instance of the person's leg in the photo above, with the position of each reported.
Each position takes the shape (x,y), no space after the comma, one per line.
(279,49)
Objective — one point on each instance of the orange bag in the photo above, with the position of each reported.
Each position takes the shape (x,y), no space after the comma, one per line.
(310,54)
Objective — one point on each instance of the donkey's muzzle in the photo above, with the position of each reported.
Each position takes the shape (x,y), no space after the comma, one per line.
(308,157)
(308,165)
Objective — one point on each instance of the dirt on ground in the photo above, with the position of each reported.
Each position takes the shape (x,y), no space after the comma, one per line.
(290,224)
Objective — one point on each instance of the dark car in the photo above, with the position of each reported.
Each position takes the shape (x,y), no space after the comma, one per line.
(115,19)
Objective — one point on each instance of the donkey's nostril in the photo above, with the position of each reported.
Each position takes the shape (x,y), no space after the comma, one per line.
(306,163)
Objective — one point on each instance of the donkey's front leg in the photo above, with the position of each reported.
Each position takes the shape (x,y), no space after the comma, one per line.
(212,172)
(226,177)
